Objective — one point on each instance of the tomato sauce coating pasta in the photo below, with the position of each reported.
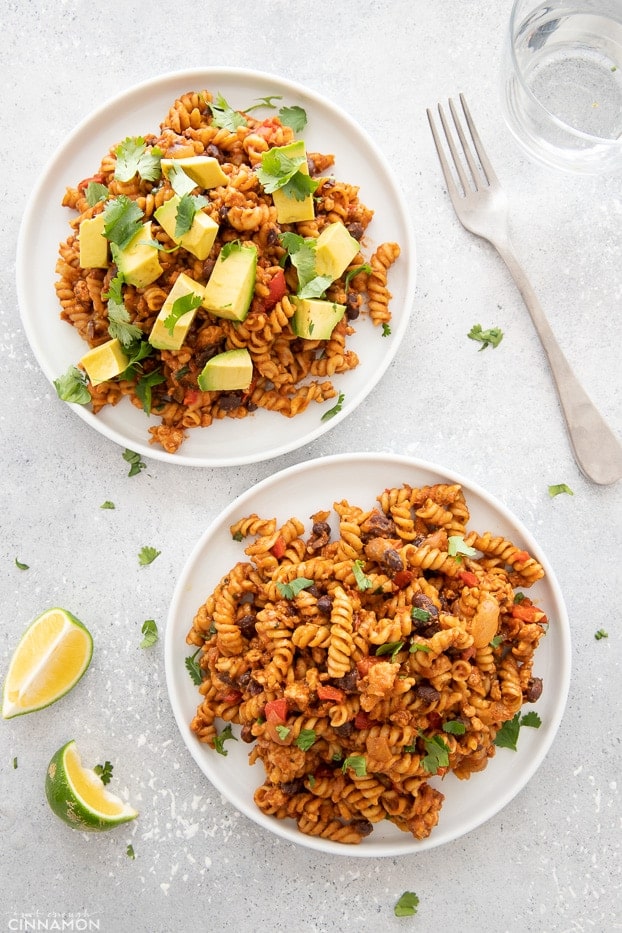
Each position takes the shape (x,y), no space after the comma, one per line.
(363,658)
(289,372)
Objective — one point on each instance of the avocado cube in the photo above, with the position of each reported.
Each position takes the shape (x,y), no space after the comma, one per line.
(199,239)
(138,262)
(93,243)
(230,287)
(315,319)
(291,210)
(227,371)
(105,361)
(161,337)
(335,249)
(205,171)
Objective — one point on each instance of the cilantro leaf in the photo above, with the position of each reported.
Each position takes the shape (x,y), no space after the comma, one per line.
(180,307)
(362,581)
(123,220)
(507,736)
(120,324)
(147,555)
(224,117)
(488,338)
(149,631)
(192,666)
(601,633)
(221,738)
(407,905)
(306,739)
(180,181)
(454,727)
(130,851)
(107,505)
(391,647)
(386,329)
(357,763)
(189,205)
(335,409)
(263,102)
(422,615)
(283,731)
(295,117)
(354,272)
(559,488)
(144,386)
(136,464)
(20,565)
(417,646)
(437,753)
(280,170)
(104,771)
(95,192)
(291,590)
(71,387)
(133,157)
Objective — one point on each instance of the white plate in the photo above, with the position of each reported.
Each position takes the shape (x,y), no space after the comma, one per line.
(56,344)
(300,491)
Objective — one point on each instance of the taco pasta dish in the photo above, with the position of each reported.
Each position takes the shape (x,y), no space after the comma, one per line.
(366,654)
(216,268)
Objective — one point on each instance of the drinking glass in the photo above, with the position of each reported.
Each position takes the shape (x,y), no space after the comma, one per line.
(562,82)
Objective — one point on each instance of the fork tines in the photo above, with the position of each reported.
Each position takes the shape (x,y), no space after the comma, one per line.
(488,177)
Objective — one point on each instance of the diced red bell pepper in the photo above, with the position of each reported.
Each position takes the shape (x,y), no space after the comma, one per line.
(362,720)
(468,578)
(276,711)
(98,179)
(326,692)
(267,127)
(364,665)
(528,613)
(277,287)
(278,548)
(232,697)
(521,557)
(191,396)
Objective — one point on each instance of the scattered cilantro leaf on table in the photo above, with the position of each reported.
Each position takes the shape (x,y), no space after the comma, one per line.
(407,905)
(149,632)
(136,464)
(104,771)
(130,851)
(147,555)
(20,565)
(107,505)
(601,633)
(488,338)
(558,488)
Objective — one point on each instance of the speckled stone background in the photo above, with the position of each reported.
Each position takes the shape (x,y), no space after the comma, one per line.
(550,861)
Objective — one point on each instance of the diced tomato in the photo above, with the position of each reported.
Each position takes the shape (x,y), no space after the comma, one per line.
(468,578)
(362,720)
(278,548)
(267,127)
(402,578)
(326,692)
(364,665)
(434,719)
(98,179)
(521,557)
(191,397)
(232,697)
(277,287)
(528,613)
(276,711)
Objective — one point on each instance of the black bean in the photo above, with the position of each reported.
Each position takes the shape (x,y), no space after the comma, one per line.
(534,690)
(325,604)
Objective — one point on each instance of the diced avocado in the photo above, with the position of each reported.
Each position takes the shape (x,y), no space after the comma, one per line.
(138,262)
(290,210)
(93,243)
(105,361)
(161,337)
(204,171)
(230,287)
(335,249)
(315,319)
(227,371)
(199,239)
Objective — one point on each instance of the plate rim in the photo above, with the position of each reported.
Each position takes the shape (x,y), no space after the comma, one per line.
(369,848)
(159,83)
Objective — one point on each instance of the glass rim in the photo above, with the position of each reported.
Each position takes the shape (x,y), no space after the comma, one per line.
(557,121)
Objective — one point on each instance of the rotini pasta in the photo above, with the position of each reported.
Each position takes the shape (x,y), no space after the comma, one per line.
(289,372)
(357,687)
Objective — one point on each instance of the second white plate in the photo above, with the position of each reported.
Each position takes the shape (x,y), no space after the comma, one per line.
(301,491)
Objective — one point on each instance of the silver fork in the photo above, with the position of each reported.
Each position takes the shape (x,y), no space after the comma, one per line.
(483,210)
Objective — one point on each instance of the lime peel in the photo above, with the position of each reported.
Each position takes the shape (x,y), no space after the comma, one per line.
(77,795)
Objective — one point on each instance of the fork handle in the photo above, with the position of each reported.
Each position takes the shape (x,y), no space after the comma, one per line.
(596,448)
